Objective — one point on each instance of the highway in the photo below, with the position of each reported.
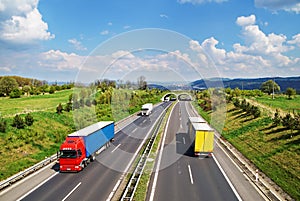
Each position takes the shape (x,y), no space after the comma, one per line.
(98,180)
(181,176)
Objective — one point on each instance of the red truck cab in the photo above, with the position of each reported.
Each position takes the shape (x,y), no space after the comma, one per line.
(72,156)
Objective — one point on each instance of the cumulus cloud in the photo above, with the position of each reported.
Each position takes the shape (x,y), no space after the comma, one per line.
(286,5)
(245,21)
(22,23)
(77,44)
(57,60)
(261,54)
(296,40)
(200,1)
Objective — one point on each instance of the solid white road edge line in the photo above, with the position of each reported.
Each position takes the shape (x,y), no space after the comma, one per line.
(227,179)
(25,179)
(191,176)
(37,186)
(72,191)
(238,167)
(159,159)
(115,148)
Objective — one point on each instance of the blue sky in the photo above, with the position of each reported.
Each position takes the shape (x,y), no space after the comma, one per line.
(162,40)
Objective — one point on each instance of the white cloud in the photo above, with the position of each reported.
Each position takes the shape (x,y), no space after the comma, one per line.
(209,46)
(105,32)
(109,23)
(296,40)
(22,23)
(164,16)
(200,1)
(55,60)
(4,69)
(286,5)
(245,21)
(77,44)
(261,55)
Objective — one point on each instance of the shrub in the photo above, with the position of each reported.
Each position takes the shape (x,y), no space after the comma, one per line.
(59,109)
(68,107)
(2,125)
(276,119)
(29,119)
(16,93)
(289,122)
(18,122)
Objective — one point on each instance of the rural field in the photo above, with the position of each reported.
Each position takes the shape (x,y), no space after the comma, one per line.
(48,102)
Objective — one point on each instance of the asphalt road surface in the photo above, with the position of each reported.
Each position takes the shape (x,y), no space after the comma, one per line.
(181,176)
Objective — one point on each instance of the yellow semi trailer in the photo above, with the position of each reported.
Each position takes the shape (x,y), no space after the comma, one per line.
(202,136)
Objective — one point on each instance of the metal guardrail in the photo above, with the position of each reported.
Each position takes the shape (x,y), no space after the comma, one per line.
(9,181)
(27,172)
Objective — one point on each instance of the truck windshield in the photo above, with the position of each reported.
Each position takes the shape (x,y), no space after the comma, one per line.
(68,154)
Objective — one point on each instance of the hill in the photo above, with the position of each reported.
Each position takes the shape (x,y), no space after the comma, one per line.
(248,84)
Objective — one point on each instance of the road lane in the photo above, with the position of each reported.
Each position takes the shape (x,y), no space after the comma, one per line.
(182,176)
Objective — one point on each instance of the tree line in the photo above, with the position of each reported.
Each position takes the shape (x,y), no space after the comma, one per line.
(15,87)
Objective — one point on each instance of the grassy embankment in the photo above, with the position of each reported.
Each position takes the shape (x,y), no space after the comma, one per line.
(270,148)
(21,148)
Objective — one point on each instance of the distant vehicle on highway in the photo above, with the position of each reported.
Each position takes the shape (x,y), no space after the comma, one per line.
(80,147)
(202,136)
(146,109)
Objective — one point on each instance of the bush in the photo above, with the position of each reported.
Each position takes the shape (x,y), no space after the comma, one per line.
(276,119)
(18,122)
(52,90)
(29,119)
(16,93)
(2,125)
(236,103)
(59,109)
(68,107)
(289,122)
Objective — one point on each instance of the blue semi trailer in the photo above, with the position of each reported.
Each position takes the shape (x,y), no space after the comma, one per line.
(80,147)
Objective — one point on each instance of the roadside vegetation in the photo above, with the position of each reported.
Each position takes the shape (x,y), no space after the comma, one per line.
(265,128)
(33,126)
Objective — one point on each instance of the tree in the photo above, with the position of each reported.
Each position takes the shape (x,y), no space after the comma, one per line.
(52,89)
(277,118)
(290,92)
(7,84)
(15,93)
(26,89)
(289,122)
(59,109)
(142,84)
(269,87)
(18,122)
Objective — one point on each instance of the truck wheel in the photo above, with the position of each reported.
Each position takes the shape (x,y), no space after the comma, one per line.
(93,158)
